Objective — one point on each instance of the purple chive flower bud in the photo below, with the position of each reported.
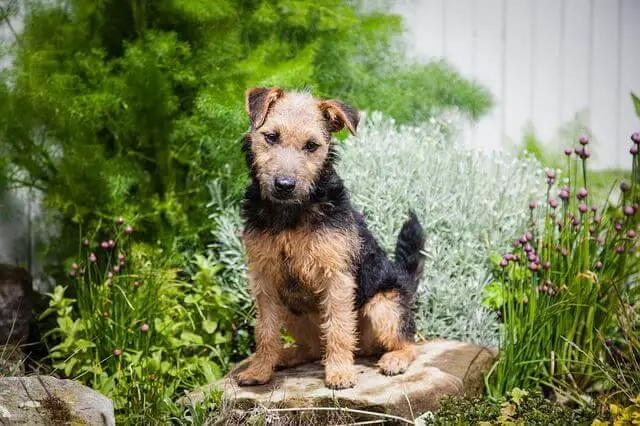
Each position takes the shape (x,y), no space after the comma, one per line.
(121,257)
(528,248)
(93,258)
(528,236)
(583,140)
(112,244)
(553,203)
(631,233)
(547,265)
(597,219)
(624,187)
(608,342)
(532,257)
(636,138)
(74,266)
(585,153)
(551,174)
(594,209)
(578,152)
(600,240)
(532,205)
(128,230)
(144,328)
(550,181)
(575,221)
(582,194)
(583,208)
(119,221)
(636,207)
(634,150)
(598,265)
(117,353)
(85,243)
(517,243)
(533,266)
(504,263)
(564,252)
(72,274)
(564,195)
(110,274)
(104,245)
(618,227)
(628,211)
(568,152)
(620,249)
(116,268)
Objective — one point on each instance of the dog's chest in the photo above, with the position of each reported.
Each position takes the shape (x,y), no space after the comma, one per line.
(298,265)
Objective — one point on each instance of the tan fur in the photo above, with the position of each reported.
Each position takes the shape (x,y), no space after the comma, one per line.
(268,341)
(322,263)
(379,321)
(305,330)
(297,118)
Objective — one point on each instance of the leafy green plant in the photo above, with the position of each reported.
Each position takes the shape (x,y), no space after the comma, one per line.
(131,328)
(119,107)
(566,283)
(518,407)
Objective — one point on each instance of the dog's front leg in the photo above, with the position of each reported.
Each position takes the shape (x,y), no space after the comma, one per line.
(268,343)
(339,331)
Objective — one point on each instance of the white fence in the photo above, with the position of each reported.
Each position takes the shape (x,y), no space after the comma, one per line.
(547,63)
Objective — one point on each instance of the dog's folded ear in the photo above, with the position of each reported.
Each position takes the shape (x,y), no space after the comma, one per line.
(258,100)
(340,115)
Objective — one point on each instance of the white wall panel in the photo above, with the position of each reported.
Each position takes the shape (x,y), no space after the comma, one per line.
(548,63)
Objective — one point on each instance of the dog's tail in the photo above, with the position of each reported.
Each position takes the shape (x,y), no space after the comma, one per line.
(409,256)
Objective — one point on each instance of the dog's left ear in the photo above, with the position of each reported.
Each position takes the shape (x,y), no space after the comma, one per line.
(340,115)
(258,100)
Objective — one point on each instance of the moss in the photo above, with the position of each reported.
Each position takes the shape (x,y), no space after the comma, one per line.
(521,407)
(59,412)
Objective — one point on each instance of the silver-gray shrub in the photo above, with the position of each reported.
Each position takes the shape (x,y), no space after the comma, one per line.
(470,203)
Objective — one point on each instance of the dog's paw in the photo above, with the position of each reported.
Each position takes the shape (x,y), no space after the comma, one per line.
(391,364)
(254,376)
(342,377)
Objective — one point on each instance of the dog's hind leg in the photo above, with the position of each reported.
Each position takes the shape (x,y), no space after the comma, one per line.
(389,325)
(308,347)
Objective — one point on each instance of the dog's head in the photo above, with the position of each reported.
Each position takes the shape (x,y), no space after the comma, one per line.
(289,140)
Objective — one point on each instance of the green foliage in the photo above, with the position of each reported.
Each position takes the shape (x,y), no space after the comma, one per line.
(636,103)
(565,288)
(519,407)
(131,328)
(123,107)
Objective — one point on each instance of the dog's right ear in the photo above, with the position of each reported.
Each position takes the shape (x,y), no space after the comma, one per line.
(258,100)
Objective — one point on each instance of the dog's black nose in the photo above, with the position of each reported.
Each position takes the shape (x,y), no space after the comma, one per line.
(285,184)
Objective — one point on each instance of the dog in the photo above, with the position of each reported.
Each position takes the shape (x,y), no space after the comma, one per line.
(314,267)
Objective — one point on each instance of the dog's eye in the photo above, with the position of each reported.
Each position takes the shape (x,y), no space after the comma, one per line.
(271,138)
(310,146)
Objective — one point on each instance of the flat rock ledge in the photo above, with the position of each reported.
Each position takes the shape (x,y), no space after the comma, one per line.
(45,400)
(442,368)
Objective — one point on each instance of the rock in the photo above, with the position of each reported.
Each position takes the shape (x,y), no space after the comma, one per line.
(442,368)
(16,302)
(45,400)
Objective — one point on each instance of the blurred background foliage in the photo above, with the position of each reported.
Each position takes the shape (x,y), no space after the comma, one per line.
(131,107)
